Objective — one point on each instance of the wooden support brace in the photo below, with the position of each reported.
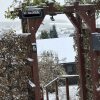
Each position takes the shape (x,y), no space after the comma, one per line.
(73,20)
(89,19)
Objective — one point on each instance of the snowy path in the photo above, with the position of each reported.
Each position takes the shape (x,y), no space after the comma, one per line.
(62,93)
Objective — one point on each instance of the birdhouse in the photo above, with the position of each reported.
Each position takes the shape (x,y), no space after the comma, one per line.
(96,41)
(32,12)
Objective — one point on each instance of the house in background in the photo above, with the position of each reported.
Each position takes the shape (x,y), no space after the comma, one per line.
(70,69)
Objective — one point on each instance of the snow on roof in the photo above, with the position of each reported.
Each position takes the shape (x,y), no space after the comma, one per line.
(62,46)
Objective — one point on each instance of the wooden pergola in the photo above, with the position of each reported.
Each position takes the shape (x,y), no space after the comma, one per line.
(77,13)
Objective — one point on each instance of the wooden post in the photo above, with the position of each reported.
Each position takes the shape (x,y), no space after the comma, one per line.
(47,96)
(67,89)
(77,22)
(33,26)
(56,83)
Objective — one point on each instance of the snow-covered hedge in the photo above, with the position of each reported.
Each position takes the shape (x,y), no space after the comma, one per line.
(14,70)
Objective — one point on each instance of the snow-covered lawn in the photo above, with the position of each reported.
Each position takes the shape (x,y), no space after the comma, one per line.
(62,93)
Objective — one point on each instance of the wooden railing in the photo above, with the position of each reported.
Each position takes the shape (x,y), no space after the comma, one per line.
(56,81)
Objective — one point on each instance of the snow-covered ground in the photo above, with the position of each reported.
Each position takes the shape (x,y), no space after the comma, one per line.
(62,93)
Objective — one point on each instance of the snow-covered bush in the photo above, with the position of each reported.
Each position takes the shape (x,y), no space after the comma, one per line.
(14,71)
(49,68)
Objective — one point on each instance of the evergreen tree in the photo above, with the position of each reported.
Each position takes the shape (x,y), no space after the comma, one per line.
(44,35)
(53,32)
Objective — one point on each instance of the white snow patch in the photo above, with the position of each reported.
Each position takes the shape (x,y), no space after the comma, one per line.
(73,90)
(30,59)
(31,84)
(98,89)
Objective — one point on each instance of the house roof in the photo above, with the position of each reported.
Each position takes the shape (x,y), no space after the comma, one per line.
(62,46)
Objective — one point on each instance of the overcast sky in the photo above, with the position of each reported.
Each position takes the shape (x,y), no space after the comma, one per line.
(3,7)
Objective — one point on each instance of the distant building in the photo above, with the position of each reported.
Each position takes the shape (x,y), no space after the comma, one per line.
(70,69)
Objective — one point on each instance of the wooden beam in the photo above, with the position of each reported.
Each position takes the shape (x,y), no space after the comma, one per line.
(33,25)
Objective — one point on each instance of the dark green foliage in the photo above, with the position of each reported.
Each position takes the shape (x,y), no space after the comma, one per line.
(53,32)
(87,63)
(9,14)
(44,35)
